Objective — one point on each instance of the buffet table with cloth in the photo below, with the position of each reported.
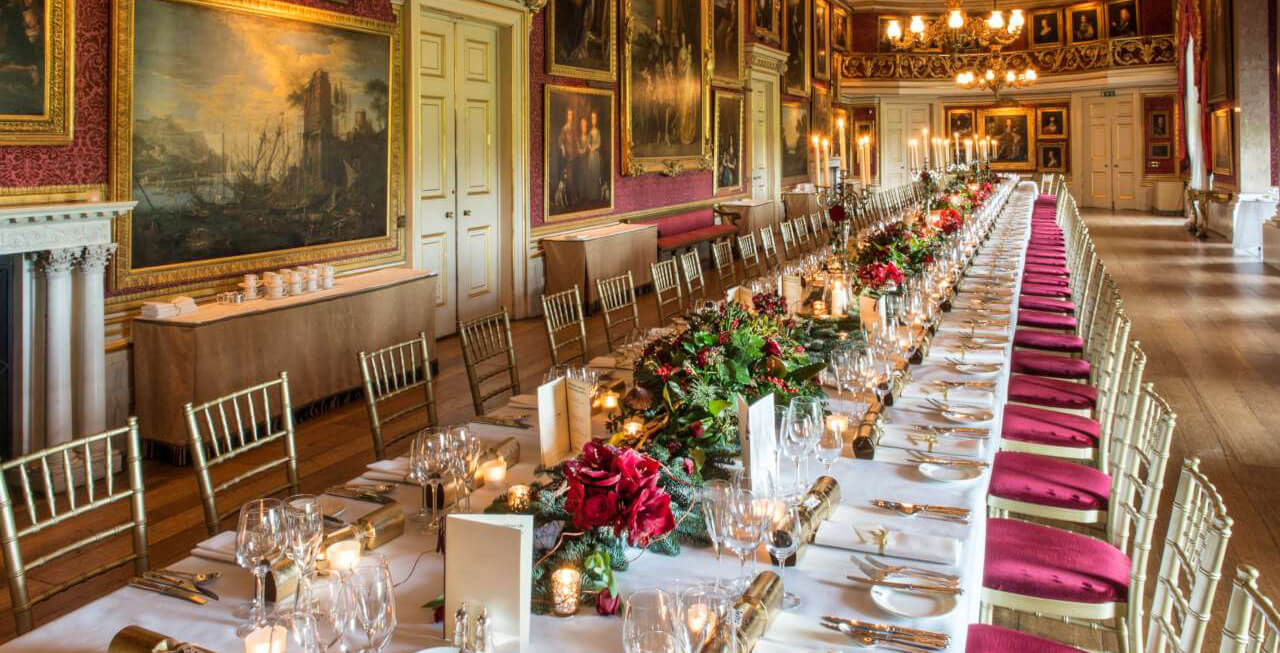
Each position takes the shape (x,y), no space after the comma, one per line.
(819,579)
(315,337)
(582,257)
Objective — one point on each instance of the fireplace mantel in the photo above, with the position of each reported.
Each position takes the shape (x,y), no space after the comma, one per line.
(55,226)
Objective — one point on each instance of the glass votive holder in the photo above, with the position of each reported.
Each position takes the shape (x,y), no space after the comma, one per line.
(632,426)
(566,585)
(609,400)
(343,556)
(518,497)
(494,473)
(267,639)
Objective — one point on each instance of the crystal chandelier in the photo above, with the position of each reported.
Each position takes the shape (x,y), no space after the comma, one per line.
(956,31)
(997,75)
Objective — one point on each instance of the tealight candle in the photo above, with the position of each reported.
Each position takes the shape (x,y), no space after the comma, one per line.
(838,422)
(343,556)
(819,308)
(632,426)
(518,497)
(494,473)
(609,400)
(268,639)
(566,584)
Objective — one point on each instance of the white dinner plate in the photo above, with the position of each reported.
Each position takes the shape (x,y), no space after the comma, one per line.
(912,605)
(950,473)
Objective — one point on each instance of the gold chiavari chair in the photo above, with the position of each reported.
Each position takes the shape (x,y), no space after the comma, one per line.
(67,464)
(789,249)
(691,266)
(563,312)
(227,427)
(1253,623)
(751,265)
(617,295)
(392,372)
(666,288)
(769,246)
(817,223)
(801,226)
(722,255)
(484,339)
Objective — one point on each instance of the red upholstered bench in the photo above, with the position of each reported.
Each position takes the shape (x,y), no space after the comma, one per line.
(685,230)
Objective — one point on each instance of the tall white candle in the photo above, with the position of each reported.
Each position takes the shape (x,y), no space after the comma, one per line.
(844,165)
(817,160)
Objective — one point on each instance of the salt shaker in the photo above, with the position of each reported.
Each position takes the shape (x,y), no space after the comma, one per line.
(460,628)
(484,633)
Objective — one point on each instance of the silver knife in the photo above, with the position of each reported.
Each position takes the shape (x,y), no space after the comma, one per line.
(369,497)
(179,582)
(889,628)
(168,590)
(910,587)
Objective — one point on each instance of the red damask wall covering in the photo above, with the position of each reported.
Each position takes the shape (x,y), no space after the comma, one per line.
(84,161)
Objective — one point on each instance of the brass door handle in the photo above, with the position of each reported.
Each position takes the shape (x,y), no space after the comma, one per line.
(466,213)
(448,215)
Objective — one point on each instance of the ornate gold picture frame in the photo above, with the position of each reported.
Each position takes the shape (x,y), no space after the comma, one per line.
(37,83)
(595,56)
(578,152)
(1085,23)
(1222,130)
(821,40)
(284,194)
(766,19)
(728,25)
(1014,129)
(797,43)
(729,121)
(1045,28)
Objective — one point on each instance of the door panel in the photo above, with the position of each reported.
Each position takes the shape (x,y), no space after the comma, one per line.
(893,135)
(1099,163)
(435,201)
(478,203)
(759,143)
(1124,166)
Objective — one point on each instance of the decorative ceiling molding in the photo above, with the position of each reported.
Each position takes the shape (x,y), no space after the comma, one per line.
(870,90)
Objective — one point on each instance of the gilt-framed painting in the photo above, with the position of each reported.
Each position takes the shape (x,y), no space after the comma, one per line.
(730,110)
(1122,19)
(1045,28)
(1013,129)
(795,33)
(841,29)
(579,152)
(1160,151)
(1051,122)
(1052,157)
(268,135)
(1219,50)
(726,39)
(666,97)
(1084,23)
(822,122)
(1158,124)
(821,39)
(961,122)
(581,37)
(37,71)
(766,19)
(1221,130)
(882,32)
(795,141)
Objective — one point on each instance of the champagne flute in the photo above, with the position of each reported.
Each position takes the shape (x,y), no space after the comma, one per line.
(321,612)
(259,538)
(372,605)
(782,539)
(303,534)
(714,499)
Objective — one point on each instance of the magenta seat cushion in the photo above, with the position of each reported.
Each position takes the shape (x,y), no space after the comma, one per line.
(1049,427)
(1040,249)
(1041,290)
(1047,243)
(1043,363)
(1048,340)
(1051,563)
(1046,279)
(699,235)
(678,224)
(1047,481)
(1056,270)
(1046,304)
(1046,259)
(1046,197)
(994,639)
(1043,320)
(1051,393)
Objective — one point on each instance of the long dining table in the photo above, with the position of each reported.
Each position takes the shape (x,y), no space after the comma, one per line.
(820,577)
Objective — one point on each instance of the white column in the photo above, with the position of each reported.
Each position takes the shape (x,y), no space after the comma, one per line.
(91,404)
(56,266)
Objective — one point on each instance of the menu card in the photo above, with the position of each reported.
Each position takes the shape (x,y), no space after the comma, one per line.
(564,418)
(793,291)
(492,567)
(759,442)
(871,311)
(741,296)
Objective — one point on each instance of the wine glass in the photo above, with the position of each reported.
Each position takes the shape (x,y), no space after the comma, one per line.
(466,459)
(303,534)
(793,439)
(647,612)
(702,609)
(259,538)
(808,409)
(714,499)
(372,605)
(426,455)
(782,539)
(744,529)
(830,446)
(321,612)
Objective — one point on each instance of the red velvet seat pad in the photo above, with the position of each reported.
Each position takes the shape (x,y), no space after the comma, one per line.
(1048,304)
(1055,270)
(1041,290)
(1046,279)
(1044,320)
(1066,343)
(1051,393)
(1043,363)
(994,639)
(1046,481)
(703,234)
(1051,563)
(1046,198)
(1049,427)
(1046,259)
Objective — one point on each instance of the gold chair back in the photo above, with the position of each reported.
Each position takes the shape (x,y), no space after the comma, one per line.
(751,266)
(484,339)
(566,327)
(227,427)
(67,464)
(768,245)
(691,265)
(617,295)
(666,288)
(788,239)
(801,227)
(817,223)
(722,253)
(1253,623)
(391,372)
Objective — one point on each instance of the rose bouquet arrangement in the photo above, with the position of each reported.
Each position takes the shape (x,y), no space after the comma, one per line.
(880,277)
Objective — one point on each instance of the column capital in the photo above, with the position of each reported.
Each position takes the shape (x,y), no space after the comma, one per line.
(94,258)
(56,261)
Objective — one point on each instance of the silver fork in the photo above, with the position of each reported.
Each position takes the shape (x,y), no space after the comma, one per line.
(879,570)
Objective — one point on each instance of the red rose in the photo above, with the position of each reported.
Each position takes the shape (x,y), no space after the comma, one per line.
(695,429)
(665,371)
(837,213)
(688,464)
(704,356)
(724,337)
(606,603)
(599,509)
(771,347)
(650,517)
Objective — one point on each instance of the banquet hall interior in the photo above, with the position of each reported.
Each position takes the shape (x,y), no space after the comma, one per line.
(651,326)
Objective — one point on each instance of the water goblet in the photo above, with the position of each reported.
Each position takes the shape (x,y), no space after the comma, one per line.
(782,539)
(371,599)
(259,539)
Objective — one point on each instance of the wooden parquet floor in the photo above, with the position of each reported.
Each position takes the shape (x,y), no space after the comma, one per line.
(1209,321)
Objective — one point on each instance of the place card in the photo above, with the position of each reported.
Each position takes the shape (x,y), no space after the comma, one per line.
(759,443)
(564,419)
(493,568)
(793,291)
(741,296)
(871,311)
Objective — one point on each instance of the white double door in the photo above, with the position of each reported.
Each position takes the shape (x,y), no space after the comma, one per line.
(456,189)
(1111,153)
(900,123)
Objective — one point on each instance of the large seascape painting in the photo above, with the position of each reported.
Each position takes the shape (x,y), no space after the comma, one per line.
(255,135)
(666,102)
(36,64)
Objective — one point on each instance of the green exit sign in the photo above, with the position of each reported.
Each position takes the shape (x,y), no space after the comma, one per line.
(1109,93)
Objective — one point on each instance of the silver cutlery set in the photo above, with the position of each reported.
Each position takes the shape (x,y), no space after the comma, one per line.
(183,585)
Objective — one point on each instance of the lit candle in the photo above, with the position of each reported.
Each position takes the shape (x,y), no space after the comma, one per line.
(268,639)
(566,584)
(699,618)
(632,426)
(838,422)
(914,146)
(839,298)
(817,159)
(609,400)
(494,473)
(826,158)
(844,165)
(968,150)
(924,141)
(518,497)
(343,556)
(819,308)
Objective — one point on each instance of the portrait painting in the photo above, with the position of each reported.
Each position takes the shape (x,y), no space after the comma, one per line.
(960,123)
(1046,28)
(1084,23)
(841,33)
(821,39)
(1051,122)
(1122,19)
(766,19)
(263,136)
(882,32)
(1052,157)
(579,151)
(1014,136)
(795,18)
(795,141)
(1219,53)
(729,120)
(666,104)
(726,39)
(1159,127)
(580,39)
(1160,151)
(1221,131)
(823,121)
(37,53)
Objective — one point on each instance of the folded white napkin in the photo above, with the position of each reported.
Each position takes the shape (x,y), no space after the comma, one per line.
(865,537)
(948,345)
(606,362)
(219,548)
(159,310)
(900,437)
(953,395)
(388,470)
